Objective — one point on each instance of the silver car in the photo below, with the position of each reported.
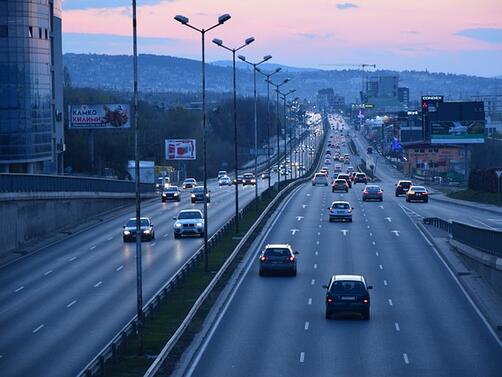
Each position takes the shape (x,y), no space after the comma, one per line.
(340,210)
(189,222)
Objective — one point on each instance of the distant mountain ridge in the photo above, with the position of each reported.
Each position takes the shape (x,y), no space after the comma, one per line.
(173,74)
(267,67)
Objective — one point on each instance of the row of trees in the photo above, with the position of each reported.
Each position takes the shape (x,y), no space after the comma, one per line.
(113,148)
(485,180)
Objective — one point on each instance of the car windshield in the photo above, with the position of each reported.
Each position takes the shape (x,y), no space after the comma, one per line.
(343,176)
(277,252)
(198,190)
(340,182)
(132,223)
(189,215)
(405,184)
(247,176)
(343,287)
(190,180)
(340,206)
(372,188)
(419,189)
(171,189)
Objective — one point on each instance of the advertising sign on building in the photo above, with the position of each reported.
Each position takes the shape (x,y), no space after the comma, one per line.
(103,116)
(457,132)
(180,149)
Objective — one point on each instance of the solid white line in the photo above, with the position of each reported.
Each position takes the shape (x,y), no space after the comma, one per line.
(320,226)
(385,282)
(302,357)
(48,272)
(119,268)
(381,267)
(72,259)
(19,289)
(313,281)
(397,326)
(405,357)
(306,325)
(482,223)
(38,329)
(71,304)
(92,247)
(390,302)
(483,318)
(315,266)
(310,301)
(97,284)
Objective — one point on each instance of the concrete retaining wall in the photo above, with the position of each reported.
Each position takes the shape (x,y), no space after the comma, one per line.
(28,217)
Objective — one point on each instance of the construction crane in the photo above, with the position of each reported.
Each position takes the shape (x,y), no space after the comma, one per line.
(363,66)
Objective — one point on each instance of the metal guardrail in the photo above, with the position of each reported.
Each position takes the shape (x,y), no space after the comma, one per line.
(112,348)
(57,183)
(487,240)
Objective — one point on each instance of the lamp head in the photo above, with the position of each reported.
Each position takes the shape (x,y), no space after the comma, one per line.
(223,18)
(242,57)
(249,40)
(181,19)
(278,69)
(217,41)
(267,57)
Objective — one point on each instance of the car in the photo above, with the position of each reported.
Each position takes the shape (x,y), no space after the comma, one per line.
(320,179)
(162,183)
(339,185)
(278,258)
(347,294)
(146,229)
(328,152)
(350,169)
(171,193)
(189,183)
(418,193)
(324,170)
(340,210)
(369,150)
(337,169)
(327,161)
(360,178)
(372,192)
(222,173)
(238,181)
(248,179)
(265,176)
(225,181)
(189,222)
(403,186)
(346,177)
(198,195)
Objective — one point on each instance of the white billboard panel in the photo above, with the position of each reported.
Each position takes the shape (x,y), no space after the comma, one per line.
(180,149)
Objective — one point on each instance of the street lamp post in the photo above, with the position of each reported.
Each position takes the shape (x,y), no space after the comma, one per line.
(268,75)
(184,21)
(255,65)
(277,86)
(219,42)
(284,96)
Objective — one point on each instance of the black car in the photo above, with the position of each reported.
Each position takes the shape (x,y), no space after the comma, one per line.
(198,195)
(347,294)
(248,179)
(402,187)
(278,258)
(171,193)
(146,229)
(418,193)
(360,178)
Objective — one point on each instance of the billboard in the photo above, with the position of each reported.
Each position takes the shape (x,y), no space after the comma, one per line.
(102,116)
(457,132)
(180,149)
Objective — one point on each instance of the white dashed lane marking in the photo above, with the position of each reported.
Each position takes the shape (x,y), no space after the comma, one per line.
(405,357)
(313,281)
(396,325)
(72,259)
(390,302)
(97,284)
(119,268)
(310,301)
(385,282)
(302,357)
(71,304)
(110,238)
(315,266)
(92,247)
(38,328)
(373,242)
(19,289)
(48,272)
(306,325)
(381,267)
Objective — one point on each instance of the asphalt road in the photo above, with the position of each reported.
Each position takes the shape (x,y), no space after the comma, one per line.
(61,305)
(421,322)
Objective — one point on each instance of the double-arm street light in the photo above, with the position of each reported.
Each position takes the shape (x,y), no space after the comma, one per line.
(219,42)
(221,20)
(255,65)
(284,96)
(268,75)
(277,86)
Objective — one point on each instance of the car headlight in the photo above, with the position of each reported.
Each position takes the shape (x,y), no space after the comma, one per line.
(253,181)
(146,231)
(164,195)
(177,225)
(199,225)
(193,195)
(176,194)
(126,232)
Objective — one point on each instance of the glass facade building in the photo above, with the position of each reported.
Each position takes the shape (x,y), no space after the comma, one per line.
(31,101)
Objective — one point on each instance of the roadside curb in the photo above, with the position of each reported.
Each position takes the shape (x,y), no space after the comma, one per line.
(462,276)
(466,203)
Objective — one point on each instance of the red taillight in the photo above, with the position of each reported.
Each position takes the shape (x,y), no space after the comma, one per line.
(291,258)
(263,258)
(365,193)
(330,300)
(365,301)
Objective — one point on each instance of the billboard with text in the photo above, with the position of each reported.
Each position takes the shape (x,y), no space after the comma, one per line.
(180,149)
(103,116)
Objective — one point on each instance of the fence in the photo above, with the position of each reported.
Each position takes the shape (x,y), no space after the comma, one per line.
(487,240)
(55,183)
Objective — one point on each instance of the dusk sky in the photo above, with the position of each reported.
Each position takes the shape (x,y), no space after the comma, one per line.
(457,36)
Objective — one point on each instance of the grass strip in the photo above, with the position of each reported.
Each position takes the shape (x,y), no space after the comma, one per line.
(168,316)
(477,196)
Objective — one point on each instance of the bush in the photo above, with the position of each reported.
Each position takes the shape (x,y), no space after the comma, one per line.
(484,180)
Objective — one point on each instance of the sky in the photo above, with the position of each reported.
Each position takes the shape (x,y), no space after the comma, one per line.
(453,36)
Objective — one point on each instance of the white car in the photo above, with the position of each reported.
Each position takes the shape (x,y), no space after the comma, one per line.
(189,222)
(225,181)
(189,183)
(222,173)
(320,179)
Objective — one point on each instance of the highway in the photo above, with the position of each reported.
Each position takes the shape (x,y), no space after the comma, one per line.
(61,305)
(422,323)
